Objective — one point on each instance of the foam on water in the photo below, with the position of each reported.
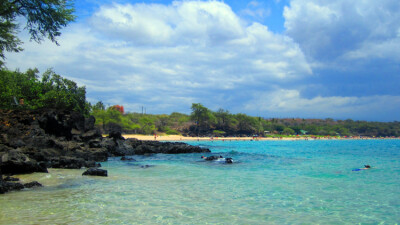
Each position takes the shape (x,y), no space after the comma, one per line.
(271,182)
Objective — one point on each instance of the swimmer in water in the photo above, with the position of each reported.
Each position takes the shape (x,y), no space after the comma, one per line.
(218,159)
(366,167)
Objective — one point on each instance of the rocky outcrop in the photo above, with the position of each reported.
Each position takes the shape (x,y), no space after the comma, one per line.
(16,162)
(33,140)
(119,146)
(152,147)
(11,185)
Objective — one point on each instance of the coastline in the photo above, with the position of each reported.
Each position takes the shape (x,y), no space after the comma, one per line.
(183,138)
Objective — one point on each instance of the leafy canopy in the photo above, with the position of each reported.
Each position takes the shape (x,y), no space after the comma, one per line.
(52,91)
(44,19)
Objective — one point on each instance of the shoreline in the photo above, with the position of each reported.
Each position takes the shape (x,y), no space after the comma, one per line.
(183,138)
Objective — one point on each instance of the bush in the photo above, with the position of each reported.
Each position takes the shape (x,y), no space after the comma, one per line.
(172,132)
(218,133)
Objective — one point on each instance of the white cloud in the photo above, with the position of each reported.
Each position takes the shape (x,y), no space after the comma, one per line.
(344,30)
(289,102)
(189,50)
(165,57)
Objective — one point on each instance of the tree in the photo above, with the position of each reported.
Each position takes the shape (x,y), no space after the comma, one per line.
(200,115)
(53,91)
(98,106)
(223,118)
(17,85)
(61,93)
(119,108)
(288,131)
(44,19)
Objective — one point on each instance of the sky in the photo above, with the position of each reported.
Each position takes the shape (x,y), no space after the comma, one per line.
(335,59)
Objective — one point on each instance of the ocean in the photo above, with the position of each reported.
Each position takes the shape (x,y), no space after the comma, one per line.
(270,182)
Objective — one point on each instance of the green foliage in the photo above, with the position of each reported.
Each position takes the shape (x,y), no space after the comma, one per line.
(221,123)
(288,131)
(52,91)
(172,132)
(218,133)
(44,19)
(202,116)
(61,93)
(98,106)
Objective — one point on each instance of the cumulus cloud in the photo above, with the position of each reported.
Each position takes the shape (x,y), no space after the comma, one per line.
(330,30)
(168,55)
(290,103)
(165,57)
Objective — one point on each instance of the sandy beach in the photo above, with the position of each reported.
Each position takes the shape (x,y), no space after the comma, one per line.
(183,138)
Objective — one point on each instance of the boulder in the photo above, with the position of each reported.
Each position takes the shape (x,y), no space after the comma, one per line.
(67,162)
(10,186)
(116,135)
(95,172)
(16,162)
(91,134)
(32,184)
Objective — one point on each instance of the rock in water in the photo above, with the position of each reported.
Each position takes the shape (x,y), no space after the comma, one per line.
(32,184)
(95,172)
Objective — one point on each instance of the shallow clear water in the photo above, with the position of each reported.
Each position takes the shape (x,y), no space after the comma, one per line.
(271,182)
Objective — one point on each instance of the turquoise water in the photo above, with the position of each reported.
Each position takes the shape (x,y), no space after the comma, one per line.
(271,182)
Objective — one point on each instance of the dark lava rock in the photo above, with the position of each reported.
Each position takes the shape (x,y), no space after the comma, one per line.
(16,162)
(8,178)
(32,140)
(95,172)
(32,184)
(153,147)
(116,135)
(146,166)
(123,158)
(67,162)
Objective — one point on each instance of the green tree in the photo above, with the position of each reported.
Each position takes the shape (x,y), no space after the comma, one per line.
(288,131)
(200,115)
(53,91)
(61,93)
(44,19)
(16,85)
(162,123)
(247,124)
(223,119)
(147,125)
(98,106)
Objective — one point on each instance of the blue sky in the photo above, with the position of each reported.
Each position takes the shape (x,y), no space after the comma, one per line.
(279,58)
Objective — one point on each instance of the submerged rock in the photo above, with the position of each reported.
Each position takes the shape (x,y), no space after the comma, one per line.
(95,172)
(33,184)
(123,158)
(146,166)
(8,178)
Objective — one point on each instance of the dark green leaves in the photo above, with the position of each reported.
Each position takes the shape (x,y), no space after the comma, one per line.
(44,19)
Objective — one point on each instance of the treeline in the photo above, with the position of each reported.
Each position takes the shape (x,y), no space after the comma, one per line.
(113,118)
(205,122)
(26,90)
